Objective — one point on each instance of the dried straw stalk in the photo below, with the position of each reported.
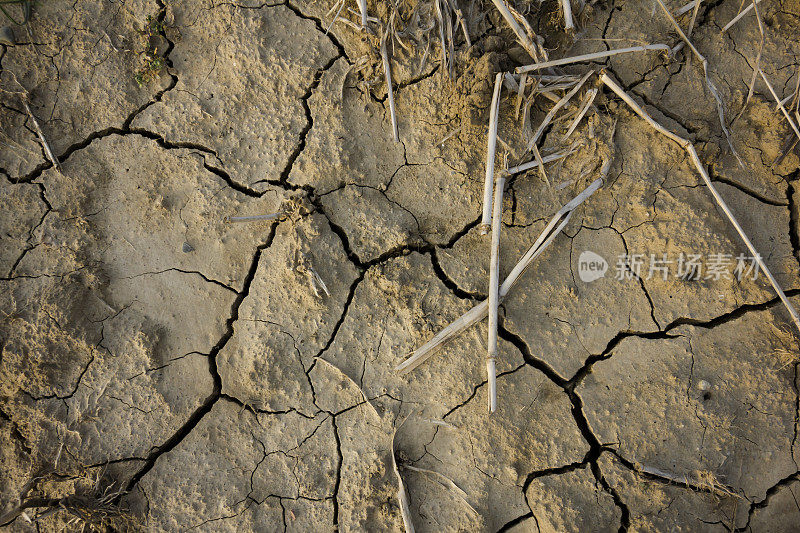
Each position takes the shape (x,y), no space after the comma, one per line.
(590,57)
(535,163)
(387,69)
(588,99)
(494,288)
(566,8)
(491,148)
(736,19)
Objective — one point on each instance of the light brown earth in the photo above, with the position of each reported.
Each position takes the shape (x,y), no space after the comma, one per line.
(147,343)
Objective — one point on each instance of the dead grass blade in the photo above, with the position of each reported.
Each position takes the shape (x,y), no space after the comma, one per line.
(780,105)
(446,482)
(535,163)
(689,147)
(686,8)
(53,159)
(387,69)
(402,495)
(523,81)
(537,155)
(252,218)
(694,17)
(757,66)
(440,18)
(461,21)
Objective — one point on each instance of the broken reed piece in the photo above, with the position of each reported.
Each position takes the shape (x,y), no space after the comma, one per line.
(387,69)
(402,495)
(736,19)
(440,19)
(47,150)
(590,57)
(523,81)
(588,99)
(446,482)
(252,218)
(494,289)
(460,20)
(491,147)
(686,8)
(709,84)
(566,8)
(481,310)
(535,163)
(780,105)
(689,147)
(362,6)
(522,37)
(552,113)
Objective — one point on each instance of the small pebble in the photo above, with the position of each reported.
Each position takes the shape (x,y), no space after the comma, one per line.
(187,248)
(703,385)
(7,36)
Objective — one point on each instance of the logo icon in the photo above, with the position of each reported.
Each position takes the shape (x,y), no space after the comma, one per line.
(591,266)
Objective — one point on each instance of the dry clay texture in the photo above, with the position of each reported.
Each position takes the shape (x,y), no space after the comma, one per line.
(201,368)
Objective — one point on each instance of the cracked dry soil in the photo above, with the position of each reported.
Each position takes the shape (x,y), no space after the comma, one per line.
(187,375)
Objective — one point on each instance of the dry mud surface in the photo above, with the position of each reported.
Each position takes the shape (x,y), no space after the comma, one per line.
(150,345)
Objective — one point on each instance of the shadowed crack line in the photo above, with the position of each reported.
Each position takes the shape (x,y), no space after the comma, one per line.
(216,393)
(625,518)
(162,13)
(678,322)
(193,272)
(743,188)
(338,481)
(508,526)
(794,216)
(321,28)
(301,145)
(770,493)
